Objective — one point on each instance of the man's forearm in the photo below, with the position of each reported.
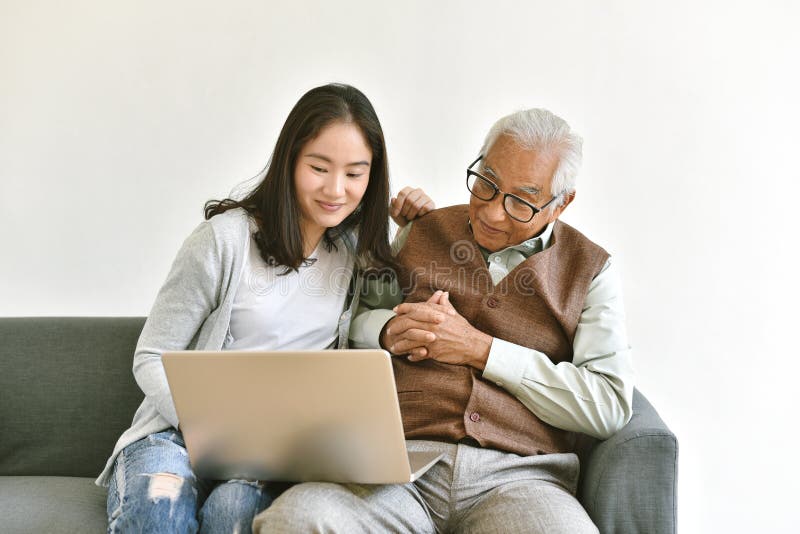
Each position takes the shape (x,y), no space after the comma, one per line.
(366,328)
(594,398)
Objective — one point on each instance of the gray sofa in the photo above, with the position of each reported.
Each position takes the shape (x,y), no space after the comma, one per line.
(67,393)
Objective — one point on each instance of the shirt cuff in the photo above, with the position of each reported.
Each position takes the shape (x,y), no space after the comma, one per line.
(506,365)
(366,328)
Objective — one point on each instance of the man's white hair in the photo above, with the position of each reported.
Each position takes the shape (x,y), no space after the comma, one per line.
(543,131)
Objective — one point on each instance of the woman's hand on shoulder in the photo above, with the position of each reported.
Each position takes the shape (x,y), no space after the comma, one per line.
(409,204)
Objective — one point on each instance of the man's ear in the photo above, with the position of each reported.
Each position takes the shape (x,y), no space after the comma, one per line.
(568,198)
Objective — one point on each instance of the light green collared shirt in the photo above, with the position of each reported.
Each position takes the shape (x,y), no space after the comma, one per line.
(504,261)
(593,394)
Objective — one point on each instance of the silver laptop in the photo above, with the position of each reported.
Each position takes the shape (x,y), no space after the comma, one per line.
(329,415)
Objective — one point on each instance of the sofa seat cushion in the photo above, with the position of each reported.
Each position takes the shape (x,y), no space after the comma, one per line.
(52,504)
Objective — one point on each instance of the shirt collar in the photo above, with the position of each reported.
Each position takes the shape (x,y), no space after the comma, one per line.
(536,244)
(531,246)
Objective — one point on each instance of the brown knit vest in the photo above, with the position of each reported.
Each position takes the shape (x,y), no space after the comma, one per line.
(537,305)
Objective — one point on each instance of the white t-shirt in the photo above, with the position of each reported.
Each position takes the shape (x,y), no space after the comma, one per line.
(299,310)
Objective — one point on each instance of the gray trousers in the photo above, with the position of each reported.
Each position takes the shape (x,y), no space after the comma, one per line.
(470,490)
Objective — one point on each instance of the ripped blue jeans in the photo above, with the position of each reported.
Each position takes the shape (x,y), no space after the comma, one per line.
(153,489)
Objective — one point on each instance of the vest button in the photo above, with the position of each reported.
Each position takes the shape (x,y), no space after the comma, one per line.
(474,417)
(492,302)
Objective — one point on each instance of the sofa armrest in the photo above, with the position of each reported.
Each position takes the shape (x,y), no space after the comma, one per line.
(629,480)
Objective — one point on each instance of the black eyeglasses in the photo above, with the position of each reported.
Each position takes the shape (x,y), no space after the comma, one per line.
(485,189)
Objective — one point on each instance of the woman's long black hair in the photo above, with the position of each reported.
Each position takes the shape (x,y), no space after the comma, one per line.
(273,203)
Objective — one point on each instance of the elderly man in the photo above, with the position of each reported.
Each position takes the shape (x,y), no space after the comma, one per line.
(510,343)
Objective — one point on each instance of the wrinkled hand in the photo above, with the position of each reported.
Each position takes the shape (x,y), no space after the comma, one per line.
(409,204)
(435,330)
(413,329)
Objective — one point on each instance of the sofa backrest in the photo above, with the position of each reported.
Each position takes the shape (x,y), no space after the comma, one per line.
(67,392)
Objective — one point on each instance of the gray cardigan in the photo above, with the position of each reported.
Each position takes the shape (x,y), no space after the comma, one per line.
(192,311)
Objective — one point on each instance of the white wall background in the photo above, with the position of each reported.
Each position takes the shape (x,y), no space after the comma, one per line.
(118,120)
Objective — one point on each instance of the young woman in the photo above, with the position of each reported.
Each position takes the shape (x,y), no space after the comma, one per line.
(245,279)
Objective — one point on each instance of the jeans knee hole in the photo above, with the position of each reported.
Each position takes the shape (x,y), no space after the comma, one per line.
(164,486)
